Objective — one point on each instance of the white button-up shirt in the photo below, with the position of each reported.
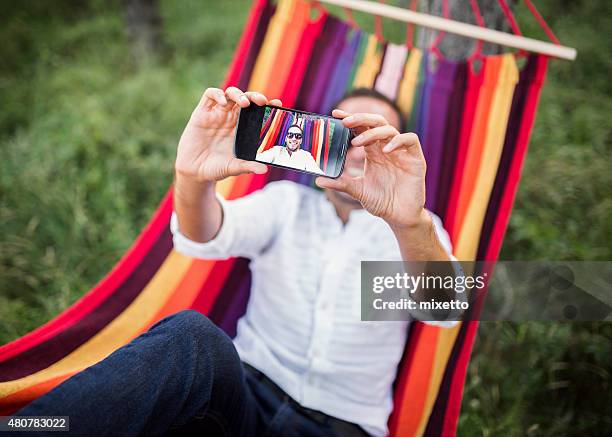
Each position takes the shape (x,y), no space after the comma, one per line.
(300,159)
(302,326)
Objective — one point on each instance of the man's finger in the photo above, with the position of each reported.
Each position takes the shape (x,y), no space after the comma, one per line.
(257,98)
(275,102)
(364,120)
(339,113)
(372,136)
(407,141)
(345,183)
(212,96)
(237,96)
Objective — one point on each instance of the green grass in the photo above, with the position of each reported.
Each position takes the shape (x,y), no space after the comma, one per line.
(87,141)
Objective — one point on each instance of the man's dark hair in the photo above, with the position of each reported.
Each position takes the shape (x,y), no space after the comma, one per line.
(372,93)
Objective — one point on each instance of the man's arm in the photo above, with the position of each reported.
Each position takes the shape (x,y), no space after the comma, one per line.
(249,224)
(197,208)
(311,164)
(421,243)
(419,240)
(267,156)
(205,156)
(393,188)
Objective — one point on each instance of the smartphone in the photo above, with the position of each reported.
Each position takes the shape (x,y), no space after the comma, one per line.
(298,140)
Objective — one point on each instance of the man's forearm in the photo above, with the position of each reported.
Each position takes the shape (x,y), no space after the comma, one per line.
(419,241)
(199,212)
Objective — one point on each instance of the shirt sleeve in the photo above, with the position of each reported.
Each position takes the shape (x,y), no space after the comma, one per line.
(250,224)
(442,235)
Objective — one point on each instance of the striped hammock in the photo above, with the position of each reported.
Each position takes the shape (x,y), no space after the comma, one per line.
(474,126)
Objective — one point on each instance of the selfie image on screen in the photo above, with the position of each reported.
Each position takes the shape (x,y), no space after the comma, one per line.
(301,141)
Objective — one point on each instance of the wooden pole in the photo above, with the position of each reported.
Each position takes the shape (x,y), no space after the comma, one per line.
(458,28)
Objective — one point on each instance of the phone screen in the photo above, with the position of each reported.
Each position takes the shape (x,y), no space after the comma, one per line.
(302,141)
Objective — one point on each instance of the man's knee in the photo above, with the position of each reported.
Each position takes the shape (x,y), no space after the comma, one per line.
(188,321)
(192,327)
(194,338)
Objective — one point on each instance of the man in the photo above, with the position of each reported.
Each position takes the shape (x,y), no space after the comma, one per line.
(291,155)
(302,362)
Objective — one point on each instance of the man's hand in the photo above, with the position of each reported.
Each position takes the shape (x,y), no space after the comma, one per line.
(205,150)
(393,184)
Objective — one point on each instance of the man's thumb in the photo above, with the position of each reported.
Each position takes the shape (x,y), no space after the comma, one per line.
(350,186)
(238,166)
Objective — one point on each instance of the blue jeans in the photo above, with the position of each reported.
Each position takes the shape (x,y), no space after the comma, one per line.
(182,377)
